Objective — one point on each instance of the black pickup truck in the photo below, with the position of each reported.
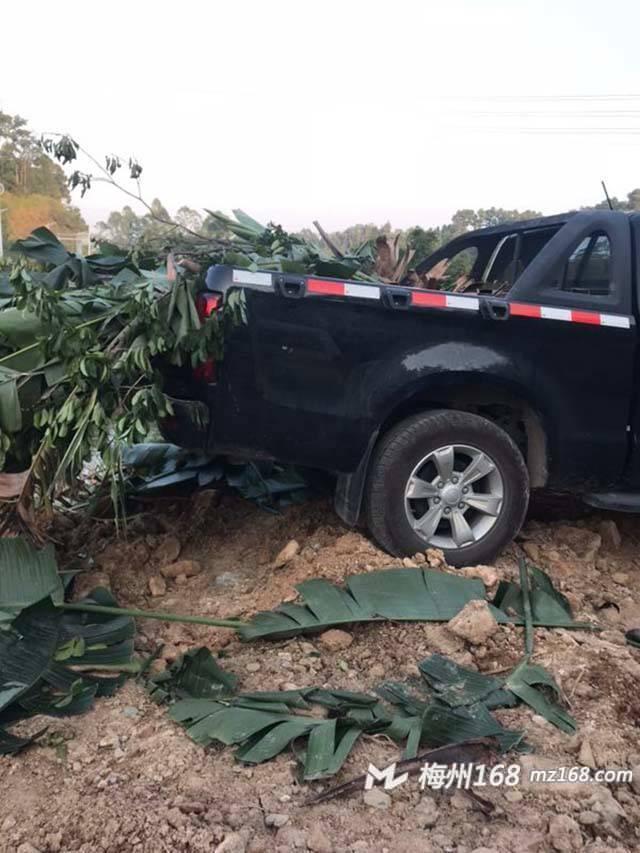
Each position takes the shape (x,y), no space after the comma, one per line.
(440,410)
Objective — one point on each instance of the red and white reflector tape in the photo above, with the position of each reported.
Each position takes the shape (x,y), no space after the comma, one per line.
(569,315)
(445,300)
(434,299)
(322,287)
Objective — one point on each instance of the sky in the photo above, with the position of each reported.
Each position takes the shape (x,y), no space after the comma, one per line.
(344,111)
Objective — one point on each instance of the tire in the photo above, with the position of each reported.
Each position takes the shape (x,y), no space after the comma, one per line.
(408,461)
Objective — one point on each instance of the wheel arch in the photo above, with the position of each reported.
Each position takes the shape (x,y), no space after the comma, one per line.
(506,405)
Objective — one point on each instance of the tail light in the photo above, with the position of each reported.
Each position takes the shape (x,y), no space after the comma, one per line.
(206,305)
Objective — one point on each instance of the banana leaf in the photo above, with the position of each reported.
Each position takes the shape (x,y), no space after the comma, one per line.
(11,744)
(529,683)
(195,674)
(27,576)
(632,637)
(262,725)
(536,687)
(156,466)
(50,660)
(418,594)
(42,246)
(456,685)
(397,594)
(548,605)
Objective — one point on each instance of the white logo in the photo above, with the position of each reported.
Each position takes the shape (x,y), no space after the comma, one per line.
(388,775)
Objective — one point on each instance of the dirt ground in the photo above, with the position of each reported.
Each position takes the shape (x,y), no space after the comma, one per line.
(124,777)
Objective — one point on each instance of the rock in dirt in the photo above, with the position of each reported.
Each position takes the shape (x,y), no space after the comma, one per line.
(474,623)
(336,640)
(157,585)
(188,568)
(604,804)
(376,798)
(585,755)
(169,653)
(234,842)
(532,550)
(435,558)
(377,671)
(583,542)
(564,834)
(167,551)
(349,543)
(318,841)
(487,574)
(276,819)
(611,538)
(426,813)
(287,554)
(620,577)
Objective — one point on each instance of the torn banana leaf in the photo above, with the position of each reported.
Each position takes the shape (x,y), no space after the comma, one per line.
(27,575)
(535,686)
(11,744)
(152,467)
(456,685)
(264,724)
(409,595)
(396,594)
(195,674)
(50,660)
(548,605)
(633,637)
(528,683)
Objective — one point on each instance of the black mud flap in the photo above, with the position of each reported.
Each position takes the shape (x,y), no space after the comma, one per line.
(350,488)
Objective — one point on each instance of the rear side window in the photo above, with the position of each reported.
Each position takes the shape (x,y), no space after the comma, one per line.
(588,269)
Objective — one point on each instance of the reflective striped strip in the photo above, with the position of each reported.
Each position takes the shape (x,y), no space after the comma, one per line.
(569,315)
(435,299)
(321,287)
(444,300)
(262,279)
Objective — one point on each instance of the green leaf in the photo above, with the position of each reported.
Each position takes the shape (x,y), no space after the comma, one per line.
(248,222)
(41,644)
(456,685)
(10,408)
(527,682)
(397,594)
(42,246)
(27,575)
(11,744)
(328,748)
(196,675)
(19,328)
(548,606)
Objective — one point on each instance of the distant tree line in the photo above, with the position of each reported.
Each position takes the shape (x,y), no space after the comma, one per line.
(37,193)
(35,187)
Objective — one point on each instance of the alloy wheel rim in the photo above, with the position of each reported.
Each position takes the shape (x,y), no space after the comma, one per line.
(454,496)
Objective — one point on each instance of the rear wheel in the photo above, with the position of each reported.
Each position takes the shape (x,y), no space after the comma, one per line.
(448,480)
